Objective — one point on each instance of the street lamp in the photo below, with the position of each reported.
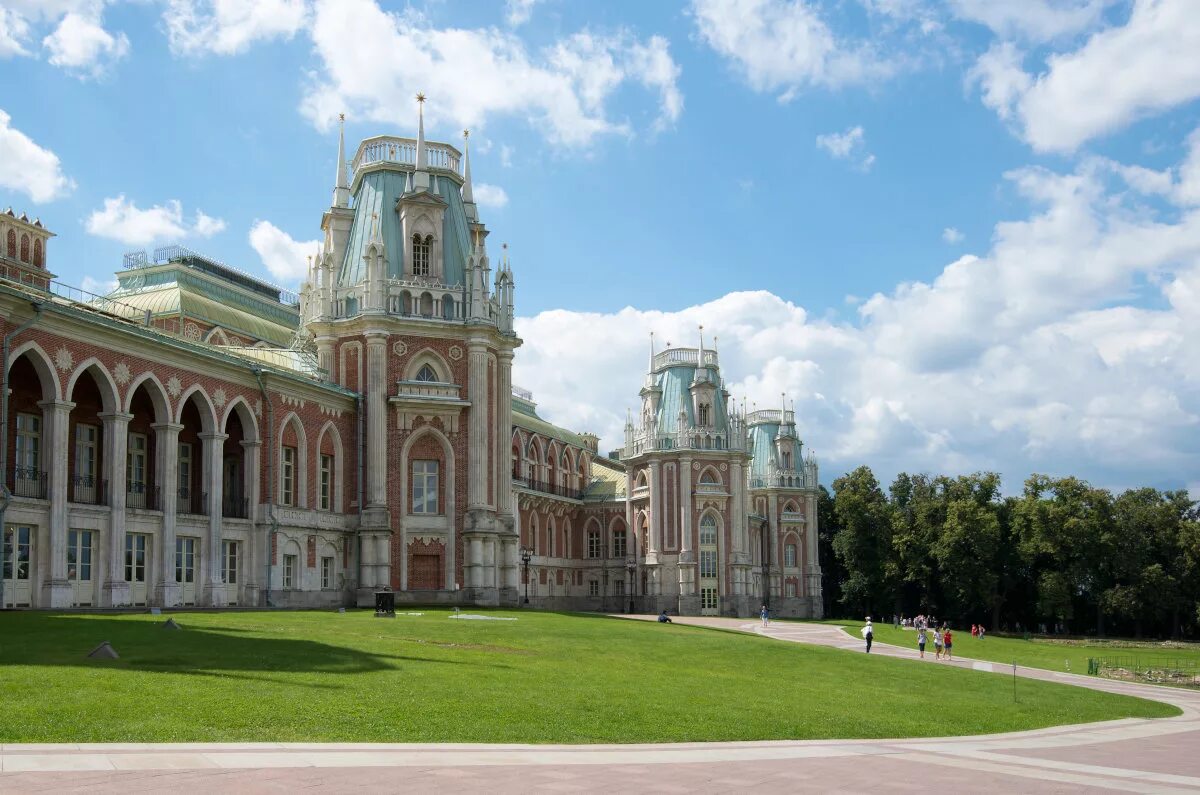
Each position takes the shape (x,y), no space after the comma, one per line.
(766,537)
(526,556)
(631,567)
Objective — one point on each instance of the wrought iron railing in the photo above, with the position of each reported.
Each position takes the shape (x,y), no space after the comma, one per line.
(550,488)
(142,495)
(191,502)
(235,507)
(27,482)
(89,490)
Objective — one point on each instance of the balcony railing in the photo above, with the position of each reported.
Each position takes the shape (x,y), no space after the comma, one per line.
(191,502)
(142,495)
(27,482)
(549,488)
(684,356)
(89,490)
(235,507)
(776,416)
(785,480)
(427,389)
(393,149)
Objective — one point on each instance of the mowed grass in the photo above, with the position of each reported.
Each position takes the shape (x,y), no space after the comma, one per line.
(1051,654)
(544,678)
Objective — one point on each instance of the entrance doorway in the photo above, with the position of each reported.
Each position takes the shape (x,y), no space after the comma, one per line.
(137,553)
(79,566)
(18,552)
(185,568)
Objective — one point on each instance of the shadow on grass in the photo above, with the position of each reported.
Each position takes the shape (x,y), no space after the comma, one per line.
(61,640)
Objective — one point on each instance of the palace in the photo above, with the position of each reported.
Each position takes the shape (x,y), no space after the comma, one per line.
(200,437)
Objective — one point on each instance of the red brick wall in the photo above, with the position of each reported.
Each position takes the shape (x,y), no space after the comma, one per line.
(426,565)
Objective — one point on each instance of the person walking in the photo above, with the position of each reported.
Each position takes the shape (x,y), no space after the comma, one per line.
(937,643)
(765,614)
(948,640)
(921,638)
(868,633)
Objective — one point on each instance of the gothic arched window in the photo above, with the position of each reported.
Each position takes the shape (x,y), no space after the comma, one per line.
(704,414)
(787,461)
(24,248)
(421,248)
(37,253)
(426,374)
(12,243)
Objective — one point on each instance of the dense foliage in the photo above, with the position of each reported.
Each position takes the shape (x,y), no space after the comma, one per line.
(1063,555)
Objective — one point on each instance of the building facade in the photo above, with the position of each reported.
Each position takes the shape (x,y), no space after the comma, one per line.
(200,437)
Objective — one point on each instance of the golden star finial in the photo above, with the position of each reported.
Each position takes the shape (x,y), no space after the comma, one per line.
(341,117)
(420,97)
(466,133)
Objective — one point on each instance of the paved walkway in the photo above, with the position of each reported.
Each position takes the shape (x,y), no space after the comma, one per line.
(1126,755)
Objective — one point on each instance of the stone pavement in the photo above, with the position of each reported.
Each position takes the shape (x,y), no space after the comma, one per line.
(1127,755)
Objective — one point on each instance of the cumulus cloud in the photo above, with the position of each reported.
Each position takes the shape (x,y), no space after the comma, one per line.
(28,168)
(1036,356)
(284,256)
(1033,20)
(785,45)
(13,30)
(82,45)
(226,27)
(490,195)
(952,235)
(518,12)
(1144,67)
(471,75)
(849,145)
(121,219)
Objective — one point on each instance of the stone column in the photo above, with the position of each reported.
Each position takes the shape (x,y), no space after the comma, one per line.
(813,567)
(116,444)
(56,588)
(773,538)
(377,429)
(325,356)
(477,456)
(213,591)
(687,555)
(166,590)
(257,553)
(504,438)
(657,506)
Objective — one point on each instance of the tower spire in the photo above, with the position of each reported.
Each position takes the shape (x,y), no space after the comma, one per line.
(467,195)
(341,184)
(651,367)
(422,159)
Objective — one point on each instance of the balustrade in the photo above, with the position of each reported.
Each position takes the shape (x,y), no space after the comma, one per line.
(392,149)
(88,490)
(27,482)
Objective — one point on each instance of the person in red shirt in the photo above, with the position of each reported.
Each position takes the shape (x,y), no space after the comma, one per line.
(948,639)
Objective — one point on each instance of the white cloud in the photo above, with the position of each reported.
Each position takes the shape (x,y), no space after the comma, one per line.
(952,235)
(120,219)
(490,195)
(13,31)
(82,45)
(227,27)
(284,256)
(785,46)
(1121,74)
(1033,20)
(506,155)
(98,286)
(471,75)
(518,12)
(849,145)
(28,168)
(1037,356)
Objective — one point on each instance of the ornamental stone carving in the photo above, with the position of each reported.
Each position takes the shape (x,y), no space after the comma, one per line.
(174,387)
(696,465)
(400,348)
(219,398)
(63,359)
(191,331)
(456,352)
(121,373)
(724,466)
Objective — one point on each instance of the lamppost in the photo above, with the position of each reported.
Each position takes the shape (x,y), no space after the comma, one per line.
(631,567)
(526,556)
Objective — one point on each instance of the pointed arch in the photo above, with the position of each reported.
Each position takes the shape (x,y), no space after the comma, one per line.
(245,414)
(448,474)
(337,475)
(157,392)
(551,539)
(109,392)
(790,507)
(428,356)
(534,529)
(204,405)
(299,473)
(216,337)
(641,481)
(709,476)
(47,375)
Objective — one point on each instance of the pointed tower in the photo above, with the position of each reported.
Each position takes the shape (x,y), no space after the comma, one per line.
(468,192)
(421,175)
(341,184)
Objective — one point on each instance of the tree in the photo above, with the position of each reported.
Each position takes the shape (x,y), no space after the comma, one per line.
(833,573)
(967,547)
(863,539)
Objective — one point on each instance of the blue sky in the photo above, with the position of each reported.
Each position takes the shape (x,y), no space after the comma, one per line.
(801,177)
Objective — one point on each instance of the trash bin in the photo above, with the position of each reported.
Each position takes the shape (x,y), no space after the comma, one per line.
(385,604)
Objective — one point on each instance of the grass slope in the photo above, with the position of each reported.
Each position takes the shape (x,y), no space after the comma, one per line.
(543,678)
(1051,654)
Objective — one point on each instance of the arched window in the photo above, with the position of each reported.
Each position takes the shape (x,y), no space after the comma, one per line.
(787,461)
(594,550)
(704,414)
(24,248)
(37,253)
(427,374)
(709,479)
(421,247)
(447,308)
(618,541)
(12,243)
(708,530)
(789,555)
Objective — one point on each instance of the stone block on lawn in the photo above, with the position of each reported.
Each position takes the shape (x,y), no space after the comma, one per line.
(104,651)
(170,624)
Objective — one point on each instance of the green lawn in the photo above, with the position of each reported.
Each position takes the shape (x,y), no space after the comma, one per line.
(1051,654)
(322,676)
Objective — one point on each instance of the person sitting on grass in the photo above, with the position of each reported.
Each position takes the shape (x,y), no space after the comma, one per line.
(948,640)
(663,618)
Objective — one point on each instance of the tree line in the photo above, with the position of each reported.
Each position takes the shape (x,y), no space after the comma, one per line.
(1063,555)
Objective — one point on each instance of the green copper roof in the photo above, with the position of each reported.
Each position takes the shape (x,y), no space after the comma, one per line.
(762,447)
(377,194)
(608,480)
(676,383)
